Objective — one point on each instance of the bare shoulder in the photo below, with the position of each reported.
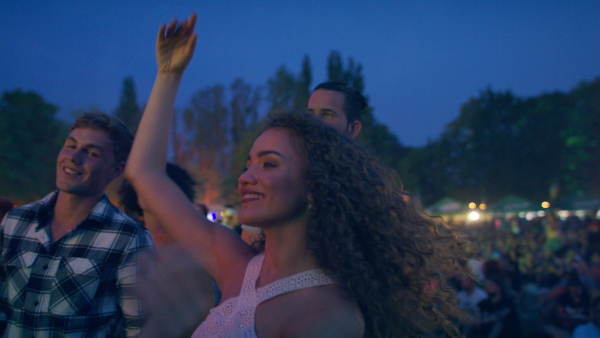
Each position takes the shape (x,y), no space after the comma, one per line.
(319,311)
(326,313)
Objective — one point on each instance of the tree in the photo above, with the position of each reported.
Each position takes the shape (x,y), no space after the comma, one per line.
(238,160)
(582,140)
(539,148)
(335,68)
(288,92)
(303,82)
(501,144)
(244,108)
(282,91)
(30,139)
(351,76)
(206,152)
(484,136)
(426,171)
(128,109)
(244,105)
(373,135)
(215,125)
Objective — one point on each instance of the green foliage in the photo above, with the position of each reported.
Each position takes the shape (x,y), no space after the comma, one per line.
(582,137)
(215,123)
(303,83)
(351,76)
(540,148)
(501,144)
(128,109)
(204,142)
(244,108)
(238,162)
(375,136)
(30,139)
(281,88)
(205,122)
(427,172)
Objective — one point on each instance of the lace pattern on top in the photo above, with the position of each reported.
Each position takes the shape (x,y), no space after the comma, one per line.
(235,317)
(302,280)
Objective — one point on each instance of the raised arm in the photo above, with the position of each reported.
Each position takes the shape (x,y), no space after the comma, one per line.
(217,248)
(174,49)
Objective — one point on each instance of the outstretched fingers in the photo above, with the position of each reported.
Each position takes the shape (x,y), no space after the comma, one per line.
(161,32)
(175,44)
(172,28)
(191,22)
(177,28)
(191,46)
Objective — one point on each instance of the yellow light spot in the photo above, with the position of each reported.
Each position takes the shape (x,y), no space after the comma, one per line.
(474,216)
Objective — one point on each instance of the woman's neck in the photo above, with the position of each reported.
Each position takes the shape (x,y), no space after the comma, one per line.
(286,253)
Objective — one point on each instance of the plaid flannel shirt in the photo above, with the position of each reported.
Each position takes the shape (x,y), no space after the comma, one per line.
(78,286)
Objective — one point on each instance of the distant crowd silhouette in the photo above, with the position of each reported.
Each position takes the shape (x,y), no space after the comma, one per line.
(534,278)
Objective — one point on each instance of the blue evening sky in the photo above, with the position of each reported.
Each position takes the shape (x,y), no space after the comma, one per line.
(421,59)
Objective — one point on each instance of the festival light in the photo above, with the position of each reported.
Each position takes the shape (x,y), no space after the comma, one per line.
(212,216)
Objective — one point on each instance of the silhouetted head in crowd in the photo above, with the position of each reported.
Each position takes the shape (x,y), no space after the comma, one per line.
(202,208)
(5,206)
(128,196)
(116,130)
(339,106)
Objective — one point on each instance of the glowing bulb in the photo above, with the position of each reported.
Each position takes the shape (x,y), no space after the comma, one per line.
(212,216)
(473,216)
(472,205)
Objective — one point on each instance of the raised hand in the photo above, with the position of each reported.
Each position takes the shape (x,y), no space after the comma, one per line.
(175,45)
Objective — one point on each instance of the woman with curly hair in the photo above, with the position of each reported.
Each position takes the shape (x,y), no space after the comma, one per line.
(346,253)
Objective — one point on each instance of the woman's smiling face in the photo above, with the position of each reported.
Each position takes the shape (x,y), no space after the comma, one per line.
(273,186)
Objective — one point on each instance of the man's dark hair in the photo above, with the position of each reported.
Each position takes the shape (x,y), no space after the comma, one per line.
(354,102)
(116,130)
(128,196)
(5,206)
(202,208)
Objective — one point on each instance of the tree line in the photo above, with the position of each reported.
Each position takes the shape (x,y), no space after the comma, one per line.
(539,148)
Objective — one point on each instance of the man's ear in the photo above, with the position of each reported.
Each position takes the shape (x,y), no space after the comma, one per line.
(354,128)
(118,170)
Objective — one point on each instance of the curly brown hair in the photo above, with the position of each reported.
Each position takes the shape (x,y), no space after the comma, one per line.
(382,250)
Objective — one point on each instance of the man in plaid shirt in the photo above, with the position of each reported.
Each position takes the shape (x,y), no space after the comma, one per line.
(67,264)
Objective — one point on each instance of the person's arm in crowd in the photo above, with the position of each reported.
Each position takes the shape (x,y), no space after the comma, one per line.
(128,277)
(218,249)
(3,287)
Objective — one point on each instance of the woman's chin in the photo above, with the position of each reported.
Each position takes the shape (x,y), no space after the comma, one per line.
(247,220)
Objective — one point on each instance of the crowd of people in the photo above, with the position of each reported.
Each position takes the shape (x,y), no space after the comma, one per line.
(331,245)
(340,245)
(534,278)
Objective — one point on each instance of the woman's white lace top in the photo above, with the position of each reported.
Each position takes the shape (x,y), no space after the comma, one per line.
(235,316)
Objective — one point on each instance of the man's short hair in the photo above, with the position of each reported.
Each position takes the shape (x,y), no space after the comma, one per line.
(116,130)
(129,200)
(354,102)
(202,208)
